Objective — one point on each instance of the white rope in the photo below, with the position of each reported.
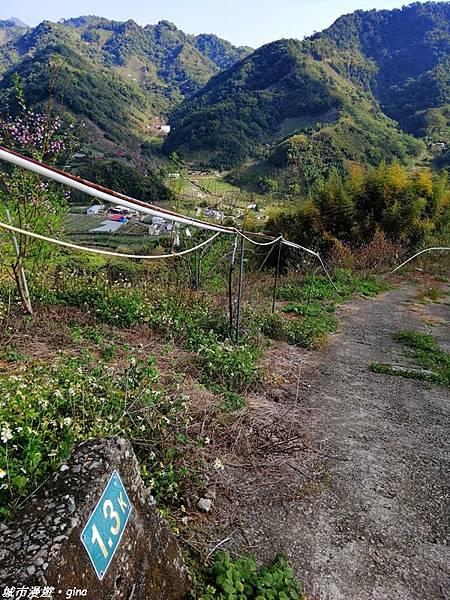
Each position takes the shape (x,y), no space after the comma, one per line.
(317,255)
(418,254)
(104,252)
(274,240)
(327,274)
(298,247)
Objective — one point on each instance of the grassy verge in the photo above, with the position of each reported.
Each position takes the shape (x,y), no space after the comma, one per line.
(433,363)
(311,306)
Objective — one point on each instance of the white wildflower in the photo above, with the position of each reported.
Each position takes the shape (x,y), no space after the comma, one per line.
(6,434)
(218,465)
(2,473)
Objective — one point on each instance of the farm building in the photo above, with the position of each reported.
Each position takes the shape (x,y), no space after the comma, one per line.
(95,209)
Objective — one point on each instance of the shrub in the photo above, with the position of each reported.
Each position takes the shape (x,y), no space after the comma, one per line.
(341,256)
(233,367)
(380,254)
(309,331)
(274,327)
(241,579)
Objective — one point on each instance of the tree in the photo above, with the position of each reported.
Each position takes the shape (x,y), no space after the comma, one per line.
(26,200)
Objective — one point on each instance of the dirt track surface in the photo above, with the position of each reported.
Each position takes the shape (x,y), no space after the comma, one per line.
(378,527)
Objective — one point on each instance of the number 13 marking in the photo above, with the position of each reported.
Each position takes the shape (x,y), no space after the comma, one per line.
(96,537)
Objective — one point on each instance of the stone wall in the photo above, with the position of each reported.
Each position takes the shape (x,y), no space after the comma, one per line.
(42,547)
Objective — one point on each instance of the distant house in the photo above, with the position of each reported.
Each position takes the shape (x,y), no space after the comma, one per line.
(95,209)
(164,129)
(157,220)
(174,176)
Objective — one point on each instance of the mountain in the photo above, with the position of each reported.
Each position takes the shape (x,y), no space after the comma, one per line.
(354,92)
(410,50)
(120,78)
(10,30)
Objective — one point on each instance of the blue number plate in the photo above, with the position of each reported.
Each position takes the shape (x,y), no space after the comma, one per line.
(103,531)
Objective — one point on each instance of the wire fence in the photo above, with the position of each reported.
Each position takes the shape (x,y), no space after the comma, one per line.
(143,208)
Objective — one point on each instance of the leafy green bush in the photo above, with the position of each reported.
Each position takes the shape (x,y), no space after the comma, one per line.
(241,580)
(274,327)
(233,367)
(309,331)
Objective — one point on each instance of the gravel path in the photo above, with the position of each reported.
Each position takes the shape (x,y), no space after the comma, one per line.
(379,528)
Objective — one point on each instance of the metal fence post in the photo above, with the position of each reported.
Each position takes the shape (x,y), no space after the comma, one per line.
(239,299)
(277,275)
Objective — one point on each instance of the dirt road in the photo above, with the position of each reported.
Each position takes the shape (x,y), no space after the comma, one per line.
(379,528)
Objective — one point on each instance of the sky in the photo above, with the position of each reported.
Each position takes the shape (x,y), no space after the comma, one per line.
(242,22)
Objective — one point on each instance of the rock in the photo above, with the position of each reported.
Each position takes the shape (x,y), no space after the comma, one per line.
(205,504)
(147,563)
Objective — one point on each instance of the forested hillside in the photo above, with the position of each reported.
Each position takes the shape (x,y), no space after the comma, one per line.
(372,87)
(354,93)
(114,84)
(120,77)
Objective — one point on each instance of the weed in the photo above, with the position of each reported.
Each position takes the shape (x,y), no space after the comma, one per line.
(274,326)
(386,369)
(430,294)
(109,352)
(233,367)
(13,354)
(320,288)
(314,301)
(310,331)
(426,353)
(230,579)
(45,411)
(232,401)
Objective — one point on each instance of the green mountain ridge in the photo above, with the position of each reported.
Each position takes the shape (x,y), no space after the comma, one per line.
(339,93)
(374,86)
(121,77)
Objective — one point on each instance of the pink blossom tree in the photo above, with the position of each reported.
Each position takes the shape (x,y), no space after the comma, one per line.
(28,200)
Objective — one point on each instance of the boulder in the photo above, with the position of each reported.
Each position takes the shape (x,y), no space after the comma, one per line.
(42,547)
